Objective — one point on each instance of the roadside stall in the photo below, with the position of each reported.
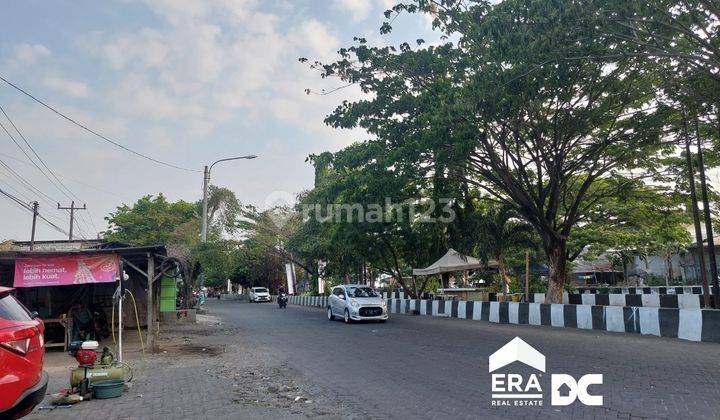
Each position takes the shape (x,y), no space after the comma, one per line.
(72,288)
(454,262)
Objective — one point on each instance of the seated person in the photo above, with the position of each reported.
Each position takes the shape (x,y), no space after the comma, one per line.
(83,324)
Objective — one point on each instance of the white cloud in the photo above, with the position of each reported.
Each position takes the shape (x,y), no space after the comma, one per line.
(68,87)
(318,39)
(360,9)
(186,82)
(31,53)
(387,4)
(207,62)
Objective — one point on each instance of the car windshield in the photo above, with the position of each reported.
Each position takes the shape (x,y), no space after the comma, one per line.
(260,290)
(361,292)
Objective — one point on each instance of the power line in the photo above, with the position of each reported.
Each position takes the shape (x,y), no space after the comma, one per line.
(67,178)
(30,187)
(61,185)
(16,191)
(35,190)
(53,225)
(25,182)
(93,132)
(32,149)
(29,208)
(15,199)
(24,152)
(28,199)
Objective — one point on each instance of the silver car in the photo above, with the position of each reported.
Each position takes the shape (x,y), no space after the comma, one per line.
(356,302)
(259,294)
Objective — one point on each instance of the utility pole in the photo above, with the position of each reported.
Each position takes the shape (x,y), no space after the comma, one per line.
(72,209)
(708,219)
(35,215)
(696,216)
(206,185)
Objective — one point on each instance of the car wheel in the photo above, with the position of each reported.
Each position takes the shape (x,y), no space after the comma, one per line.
(330,314)
(346,317)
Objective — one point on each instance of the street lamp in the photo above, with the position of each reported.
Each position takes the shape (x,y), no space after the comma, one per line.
(206,183)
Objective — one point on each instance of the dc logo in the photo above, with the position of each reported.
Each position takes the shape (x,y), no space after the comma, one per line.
(565,390)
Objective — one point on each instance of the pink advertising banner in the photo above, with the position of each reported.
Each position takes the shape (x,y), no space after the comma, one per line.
(65,270)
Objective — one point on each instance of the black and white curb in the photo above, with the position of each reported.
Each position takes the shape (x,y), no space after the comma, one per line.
(318,301)
(682,301)
(686,324)
(660,290)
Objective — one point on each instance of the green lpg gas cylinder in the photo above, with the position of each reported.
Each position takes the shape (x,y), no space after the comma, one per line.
(95,373)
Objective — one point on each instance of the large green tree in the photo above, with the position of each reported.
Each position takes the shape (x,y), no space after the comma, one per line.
(149,221)
(153,220)
(536,137)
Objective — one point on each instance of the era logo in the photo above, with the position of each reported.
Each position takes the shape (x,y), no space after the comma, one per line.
(565,390)
(514,383)
(517,390)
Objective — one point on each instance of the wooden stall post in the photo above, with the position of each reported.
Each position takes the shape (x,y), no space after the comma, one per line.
(150,307)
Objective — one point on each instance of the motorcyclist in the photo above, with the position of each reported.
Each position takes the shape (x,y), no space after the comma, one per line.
(282,298)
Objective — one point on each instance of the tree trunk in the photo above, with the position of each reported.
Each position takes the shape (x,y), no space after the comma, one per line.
(557,261)
(626,280)
(708,220)
(696,217)
(668,260)
(504,278)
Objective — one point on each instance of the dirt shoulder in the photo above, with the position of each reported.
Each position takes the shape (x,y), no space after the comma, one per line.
(200,370)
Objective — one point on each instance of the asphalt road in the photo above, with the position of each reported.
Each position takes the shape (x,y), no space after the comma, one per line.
(428,367)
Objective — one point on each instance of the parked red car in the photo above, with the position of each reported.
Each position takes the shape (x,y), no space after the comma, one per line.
(22,380)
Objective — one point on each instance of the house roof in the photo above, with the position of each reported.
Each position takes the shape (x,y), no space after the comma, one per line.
(104,247)
(452,261)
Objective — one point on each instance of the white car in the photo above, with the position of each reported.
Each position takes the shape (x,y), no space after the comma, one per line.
(259,294)
(356,302)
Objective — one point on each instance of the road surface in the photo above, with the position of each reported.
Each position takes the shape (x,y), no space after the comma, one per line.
(255,361)
(429,367)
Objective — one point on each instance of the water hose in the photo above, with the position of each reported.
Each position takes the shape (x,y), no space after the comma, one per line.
(129,369)
(137,322)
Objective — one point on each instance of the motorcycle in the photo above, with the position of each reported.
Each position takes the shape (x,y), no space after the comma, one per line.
(282,300)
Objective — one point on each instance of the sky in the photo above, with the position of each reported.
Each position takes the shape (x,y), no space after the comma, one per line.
(183,81)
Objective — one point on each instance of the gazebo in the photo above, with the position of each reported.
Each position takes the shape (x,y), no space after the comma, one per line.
(452,261)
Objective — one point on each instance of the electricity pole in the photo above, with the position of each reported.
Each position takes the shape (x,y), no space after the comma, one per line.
(72,209)
(35,215)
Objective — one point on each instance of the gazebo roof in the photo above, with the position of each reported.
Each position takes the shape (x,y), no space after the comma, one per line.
(452,261)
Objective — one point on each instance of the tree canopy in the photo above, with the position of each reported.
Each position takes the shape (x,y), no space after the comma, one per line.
(536,105)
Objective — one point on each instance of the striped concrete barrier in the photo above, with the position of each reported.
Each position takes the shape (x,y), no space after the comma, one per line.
(660,290)
(654,290)
(682,301)
(317,301)
(394,295)
(686,324)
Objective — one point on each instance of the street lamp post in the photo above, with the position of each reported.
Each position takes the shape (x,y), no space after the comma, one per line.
(206,184)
